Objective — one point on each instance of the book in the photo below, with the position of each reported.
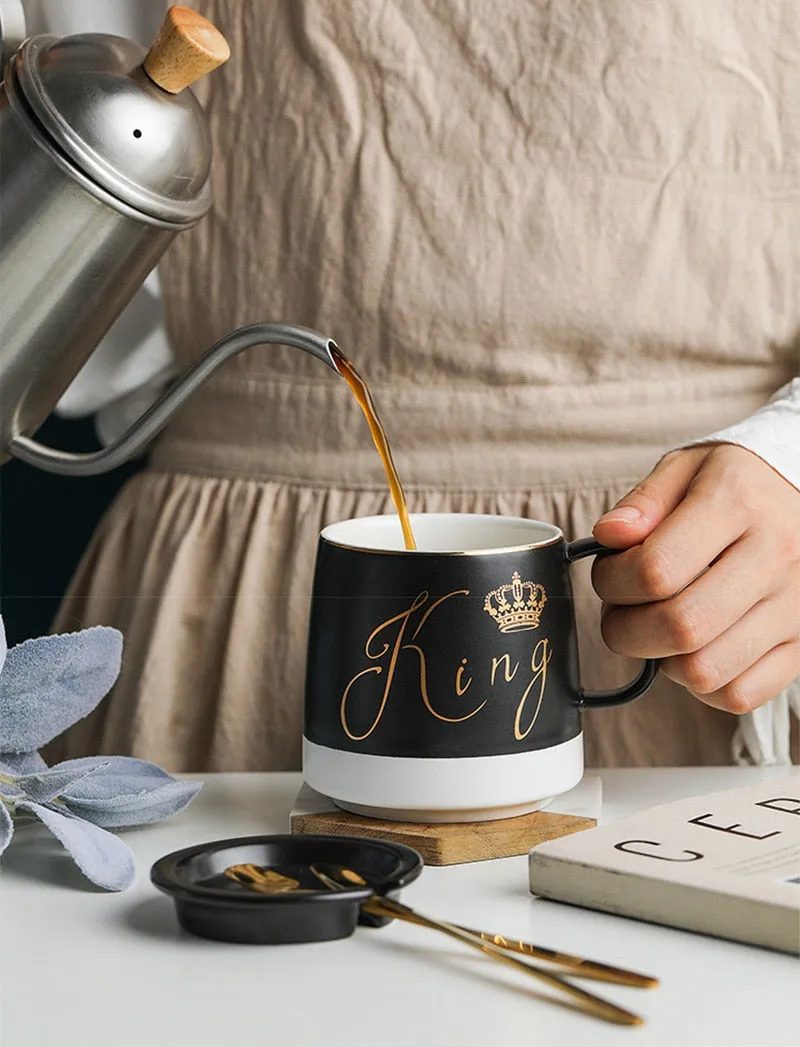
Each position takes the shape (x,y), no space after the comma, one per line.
(727,864)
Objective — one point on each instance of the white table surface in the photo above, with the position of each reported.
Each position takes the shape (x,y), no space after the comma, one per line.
(82,968)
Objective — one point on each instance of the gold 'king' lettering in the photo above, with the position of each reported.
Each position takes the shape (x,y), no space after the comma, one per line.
(385,649)
(461,687)
(540,659)
(508,672)
(402,620)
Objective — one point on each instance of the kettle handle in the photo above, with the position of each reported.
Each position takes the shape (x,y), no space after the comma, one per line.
(131,443)
(187,47)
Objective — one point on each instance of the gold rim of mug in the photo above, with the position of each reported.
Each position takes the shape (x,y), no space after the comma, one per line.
(433,552)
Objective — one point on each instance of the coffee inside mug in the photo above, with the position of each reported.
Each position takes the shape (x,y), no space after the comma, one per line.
(444,533)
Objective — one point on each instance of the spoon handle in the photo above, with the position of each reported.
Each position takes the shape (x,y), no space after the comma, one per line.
(596,1005)
(579,967)
(339,876)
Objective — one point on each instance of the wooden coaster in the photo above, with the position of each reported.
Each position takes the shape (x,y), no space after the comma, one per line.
(449,844)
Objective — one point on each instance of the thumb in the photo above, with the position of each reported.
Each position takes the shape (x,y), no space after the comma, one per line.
(637,515)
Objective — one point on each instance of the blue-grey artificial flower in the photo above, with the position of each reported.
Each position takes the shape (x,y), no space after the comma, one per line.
(46,685)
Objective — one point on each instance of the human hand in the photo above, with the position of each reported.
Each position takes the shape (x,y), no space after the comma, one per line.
(710,578)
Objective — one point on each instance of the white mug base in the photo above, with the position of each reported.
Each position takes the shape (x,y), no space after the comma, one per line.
(459,789)
(440,817)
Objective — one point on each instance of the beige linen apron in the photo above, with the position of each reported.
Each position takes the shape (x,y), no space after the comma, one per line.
(558,239)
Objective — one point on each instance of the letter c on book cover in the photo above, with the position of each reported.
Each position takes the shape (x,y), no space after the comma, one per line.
(625,846)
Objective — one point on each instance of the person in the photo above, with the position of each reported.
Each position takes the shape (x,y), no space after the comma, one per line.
(561,241)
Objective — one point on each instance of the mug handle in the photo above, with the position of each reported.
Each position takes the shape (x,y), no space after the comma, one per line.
(578,550)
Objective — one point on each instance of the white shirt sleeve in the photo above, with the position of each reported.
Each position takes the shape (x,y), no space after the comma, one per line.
(773,433)
(131,365)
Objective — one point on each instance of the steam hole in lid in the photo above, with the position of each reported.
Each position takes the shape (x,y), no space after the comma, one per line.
(137,133)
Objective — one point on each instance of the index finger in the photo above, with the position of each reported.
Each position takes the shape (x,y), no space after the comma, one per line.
(680,548)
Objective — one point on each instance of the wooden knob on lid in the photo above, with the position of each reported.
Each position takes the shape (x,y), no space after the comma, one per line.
(187,47)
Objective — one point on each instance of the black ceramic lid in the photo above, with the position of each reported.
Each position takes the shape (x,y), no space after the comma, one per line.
(211,905)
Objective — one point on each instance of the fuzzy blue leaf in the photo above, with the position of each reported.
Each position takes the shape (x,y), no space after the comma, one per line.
(21,763)
(122,775)
(126,792)
(49,683)
(10,788)
(45,785)
(102,857)
(6,828)
(121,812)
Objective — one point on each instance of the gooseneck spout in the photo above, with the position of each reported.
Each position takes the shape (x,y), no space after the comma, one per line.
(51,460)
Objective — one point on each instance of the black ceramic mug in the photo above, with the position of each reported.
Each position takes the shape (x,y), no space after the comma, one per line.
(442,683)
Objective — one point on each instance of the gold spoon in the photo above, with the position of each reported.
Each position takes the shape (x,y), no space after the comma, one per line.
(581,967)
(595,1005)
(259,878)
(268,881)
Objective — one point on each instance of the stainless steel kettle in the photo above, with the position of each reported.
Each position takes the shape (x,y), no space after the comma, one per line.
(104,158)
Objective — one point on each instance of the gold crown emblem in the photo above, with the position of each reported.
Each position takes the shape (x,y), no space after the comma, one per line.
(516,607)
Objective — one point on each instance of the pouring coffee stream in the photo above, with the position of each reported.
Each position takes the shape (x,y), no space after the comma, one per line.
(361,392)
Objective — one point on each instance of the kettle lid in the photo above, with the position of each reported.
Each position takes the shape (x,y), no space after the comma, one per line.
(147,145)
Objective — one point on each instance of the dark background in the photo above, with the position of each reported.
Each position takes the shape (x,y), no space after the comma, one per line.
(45,524)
